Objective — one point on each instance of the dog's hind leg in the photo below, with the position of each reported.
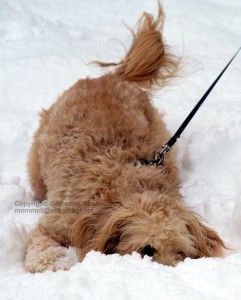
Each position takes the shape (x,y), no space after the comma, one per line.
(34,160)
(43,253)
(34,171)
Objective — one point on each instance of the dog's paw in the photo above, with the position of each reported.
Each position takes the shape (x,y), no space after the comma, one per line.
(45,254)
(53,258)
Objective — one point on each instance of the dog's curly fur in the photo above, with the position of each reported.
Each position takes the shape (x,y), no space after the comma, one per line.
(84,161)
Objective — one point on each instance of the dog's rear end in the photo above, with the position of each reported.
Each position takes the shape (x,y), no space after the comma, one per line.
(84,159)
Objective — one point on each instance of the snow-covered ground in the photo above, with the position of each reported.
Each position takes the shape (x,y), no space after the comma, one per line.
(44,48)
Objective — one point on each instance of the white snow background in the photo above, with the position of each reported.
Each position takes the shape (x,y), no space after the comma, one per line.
(44,48)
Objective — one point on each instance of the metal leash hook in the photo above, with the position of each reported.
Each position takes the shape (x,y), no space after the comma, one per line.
(159,157)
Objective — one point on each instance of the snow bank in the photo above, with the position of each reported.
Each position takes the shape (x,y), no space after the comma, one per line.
(45,46)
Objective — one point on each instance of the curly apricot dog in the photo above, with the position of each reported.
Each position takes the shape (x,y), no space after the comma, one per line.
(84,161)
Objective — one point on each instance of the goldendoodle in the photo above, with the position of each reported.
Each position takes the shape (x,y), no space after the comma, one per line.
(85,160)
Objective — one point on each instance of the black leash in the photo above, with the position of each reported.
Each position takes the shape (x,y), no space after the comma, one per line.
(159,157)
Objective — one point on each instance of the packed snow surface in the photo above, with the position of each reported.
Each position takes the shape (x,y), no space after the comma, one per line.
(45,48)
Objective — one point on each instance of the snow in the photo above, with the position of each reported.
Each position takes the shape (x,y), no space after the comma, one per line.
(45,48)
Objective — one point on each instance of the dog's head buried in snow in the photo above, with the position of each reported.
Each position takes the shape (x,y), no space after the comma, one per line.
(84,161)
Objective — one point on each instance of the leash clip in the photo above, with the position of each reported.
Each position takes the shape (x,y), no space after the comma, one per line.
(159,157)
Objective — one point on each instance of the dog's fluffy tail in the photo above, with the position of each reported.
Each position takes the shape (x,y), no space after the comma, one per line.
(147,62)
